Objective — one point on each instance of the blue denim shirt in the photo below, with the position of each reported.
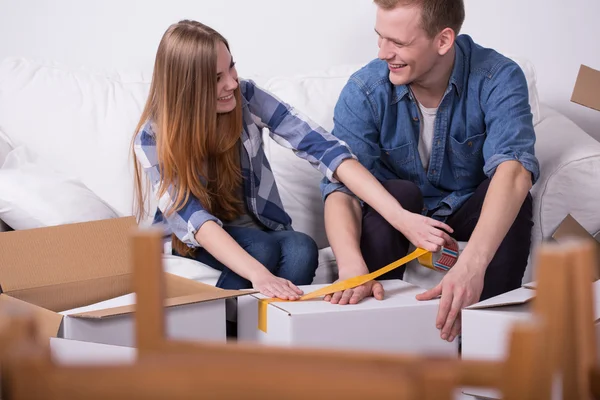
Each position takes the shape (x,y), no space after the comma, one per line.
(483,120)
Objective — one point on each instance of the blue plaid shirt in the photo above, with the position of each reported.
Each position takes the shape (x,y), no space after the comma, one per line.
(287,127)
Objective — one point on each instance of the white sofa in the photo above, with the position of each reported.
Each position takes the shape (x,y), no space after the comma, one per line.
(72,127)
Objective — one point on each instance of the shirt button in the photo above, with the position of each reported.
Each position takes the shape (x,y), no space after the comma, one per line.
(438,142)
(470,144)
(416,119)
(433,171)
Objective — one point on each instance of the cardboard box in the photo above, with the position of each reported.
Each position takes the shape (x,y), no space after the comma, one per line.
(587,88)
(399,323)
(73,352)
(569,228)
(53,269)
(486,327)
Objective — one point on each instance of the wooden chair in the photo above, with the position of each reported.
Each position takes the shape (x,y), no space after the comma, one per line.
(565,302)
(182,370)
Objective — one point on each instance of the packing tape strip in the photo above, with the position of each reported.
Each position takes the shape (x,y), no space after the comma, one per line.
(337,287)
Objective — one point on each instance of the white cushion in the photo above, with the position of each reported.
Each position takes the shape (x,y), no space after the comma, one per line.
(32,195)
(81,121)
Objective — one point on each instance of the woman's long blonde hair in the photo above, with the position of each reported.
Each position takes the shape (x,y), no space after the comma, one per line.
(193,142)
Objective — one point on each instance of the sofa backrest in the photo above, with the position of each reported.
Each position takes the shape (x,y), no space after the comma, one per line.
(82,122)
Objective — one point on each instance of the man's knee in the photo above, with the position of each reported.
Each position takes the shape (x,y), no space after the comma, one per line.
(407,193)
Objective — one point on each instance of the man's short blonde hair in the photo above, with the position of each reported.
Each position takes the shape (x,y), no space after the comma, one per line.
(436,15)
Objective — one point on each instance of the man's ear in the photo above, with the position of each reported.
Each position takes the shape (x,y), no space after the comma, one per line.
(445,41)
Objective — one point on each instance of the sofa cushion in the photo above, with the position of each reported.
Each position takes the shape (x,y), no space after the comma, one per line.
(81,121)
(33,195)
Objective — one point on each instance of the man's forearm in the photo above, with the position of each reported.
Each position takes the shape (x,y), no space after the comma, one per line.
(505,196)
(343,217)
(364,185)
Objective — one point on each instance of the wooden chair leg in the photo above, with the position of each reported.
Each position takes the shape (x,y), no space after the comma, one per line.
(150,291)
(551,306)
(521,377)
(580,346)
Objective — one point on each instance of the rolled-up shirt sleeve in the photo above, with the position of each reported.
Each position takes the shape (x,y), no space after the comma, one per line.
(294,130)
(355,123)
(509,121)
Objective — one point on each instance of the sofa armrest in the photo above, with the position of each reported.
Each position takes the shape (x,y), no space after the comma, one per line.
(569,175)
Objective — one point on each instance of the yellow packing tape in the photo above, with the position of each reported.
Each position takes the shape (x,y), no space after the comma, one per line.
(338,286)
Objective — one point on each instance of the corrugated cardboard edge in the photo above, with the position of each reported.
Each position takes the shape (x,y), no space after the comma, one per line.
(530,285)
(208,293)
(504,300)
(47,322)
(497,301)
(586,91)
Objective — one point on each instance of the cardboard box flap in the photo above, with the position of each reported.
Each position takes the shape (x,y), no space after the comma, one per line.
(48,323)
(39,265)
(179,291)
(568,229)
(514,297)
(523,295)
(587,88)
(530,285)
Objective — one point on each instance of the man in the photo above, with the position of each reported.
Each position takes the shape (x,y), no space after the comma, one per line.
(446,126)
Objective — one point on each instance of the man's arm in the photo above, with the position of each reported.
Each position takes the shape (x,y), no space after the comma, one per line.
(513,168)
(356,123)
(463,284)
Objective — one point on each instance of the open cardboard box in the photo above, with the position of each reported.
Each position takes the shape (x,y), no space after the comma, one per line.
(53,269)
(486,327)
(587,88)
(397,324)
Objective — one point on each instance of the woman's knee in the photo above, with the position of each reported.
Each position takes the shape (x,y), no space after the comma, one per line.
(265,251)
(300,258)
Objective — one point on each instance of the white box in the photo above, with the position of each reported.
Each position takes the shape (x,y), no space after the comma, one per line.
(486,327)
(73,352)
(112,322)
(398,324)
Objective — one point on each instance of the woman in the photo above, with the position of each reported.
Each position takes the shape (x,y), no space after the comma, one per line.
(199,142)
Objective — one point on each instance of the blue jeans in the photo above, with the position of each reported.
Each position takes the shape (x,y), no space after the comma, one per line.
(287,254)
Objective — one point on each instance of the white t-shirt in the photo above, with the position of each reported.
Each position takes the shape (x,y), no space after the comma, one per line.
(426,139)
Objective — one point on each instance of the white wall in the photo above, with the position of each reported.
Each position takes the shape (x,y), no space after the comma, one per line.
(298,36)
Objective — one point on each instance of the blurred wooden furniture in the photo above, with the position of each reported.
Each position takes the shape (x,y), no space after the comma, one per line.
(565,301)
(182,370)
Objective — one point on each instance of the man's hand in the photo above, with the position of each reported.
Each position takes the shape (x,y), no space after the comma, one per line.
(424,232)
(355,295)
(460,288)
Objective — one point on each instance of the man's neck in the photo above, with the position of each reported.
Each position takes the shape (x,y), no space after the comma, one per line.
(430,90)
